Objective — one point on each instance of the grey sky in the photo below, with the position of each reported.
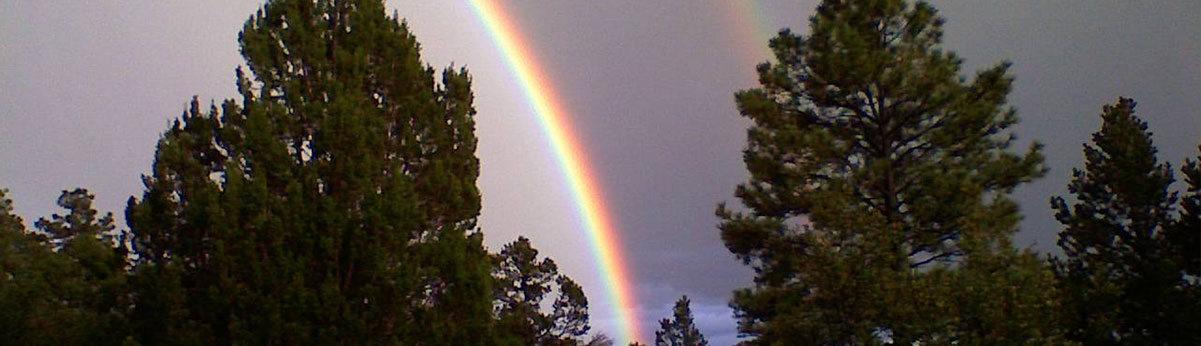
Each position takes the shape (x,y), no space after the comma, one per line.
(87,87)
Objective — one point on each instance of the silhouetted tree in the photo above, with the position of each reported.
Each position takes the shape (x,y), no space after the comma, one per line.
(335,204)
(1185,235)
(599,339)
(1120,272)
(877,209)
(523,284)
(679,330)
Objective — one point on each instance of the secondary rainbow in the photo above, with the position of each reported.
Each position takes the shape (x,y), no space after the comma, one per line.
(552,115)
(748,18)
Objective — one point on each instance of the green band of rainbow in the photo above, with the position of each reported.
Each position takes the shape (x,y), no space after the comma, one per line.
(606,249)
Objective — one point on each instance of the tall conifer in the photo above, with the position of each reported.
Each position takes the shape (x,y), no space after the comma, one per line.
(335,204)
(877,209)
(1120,270)
(679,330)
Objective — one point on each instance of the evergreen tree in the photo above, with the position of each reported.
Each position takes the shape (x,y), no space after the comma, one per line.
(29,312)
(877,209)
(569,312)
(679,331)
(523,284)
(1185,235)
(65,285)
(1120,271)
(335,204)
(97,257)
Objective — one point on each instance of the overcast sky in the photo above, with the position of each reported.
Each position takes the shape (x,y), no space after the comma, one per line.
(87,87)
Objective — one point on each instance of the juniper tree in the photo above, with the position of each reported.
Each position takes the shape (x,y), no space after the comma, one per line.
(335,203)
(878,208)
(1121,272)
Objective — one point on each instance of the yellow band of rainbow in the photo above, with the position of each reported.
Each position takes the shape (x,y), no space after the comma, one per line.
(552,115)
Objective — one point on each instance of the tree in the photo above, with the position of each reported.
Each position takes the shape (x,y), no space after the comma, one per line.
(336,203)
(65,285)
(679,331)
(878,192)
(1185,235)
(28,309)
(569,311)
(1120,269)
(599,339)
(97,256)
(523,283)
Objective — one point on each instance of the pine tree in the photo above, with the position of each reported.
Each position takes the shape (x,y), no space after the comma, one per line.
(679,331)
(1120,270)
(569,312)
(66,284)
(1185,235)
(523,284)
(97,259)
(29,312)
(877,209)
(334,204)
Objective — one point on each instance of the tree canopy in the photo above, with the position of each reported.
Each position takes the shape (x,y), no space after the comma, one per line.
(66,283)
(878,193)
(1126,256)
(336,202)
(524,286)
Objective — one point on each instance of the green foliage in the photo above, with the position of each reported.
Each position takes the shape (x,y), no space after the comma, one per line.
(28,309)
(523,284)
(878,197)
(336,203)
(65,285)
(1123,269)
(679,330)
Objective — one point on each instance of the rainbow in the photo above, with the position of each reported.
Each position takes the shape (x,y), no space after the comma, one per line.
(748,18)
(552,115)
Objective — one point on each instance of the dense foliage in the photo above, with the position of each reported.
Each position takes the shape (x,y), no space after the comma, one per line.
(1127,258)
(334,203)
(877,209)
(66,283)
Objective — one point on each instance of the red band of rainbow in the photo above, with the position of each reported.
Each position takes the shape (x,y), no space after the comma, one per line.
(552,115)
